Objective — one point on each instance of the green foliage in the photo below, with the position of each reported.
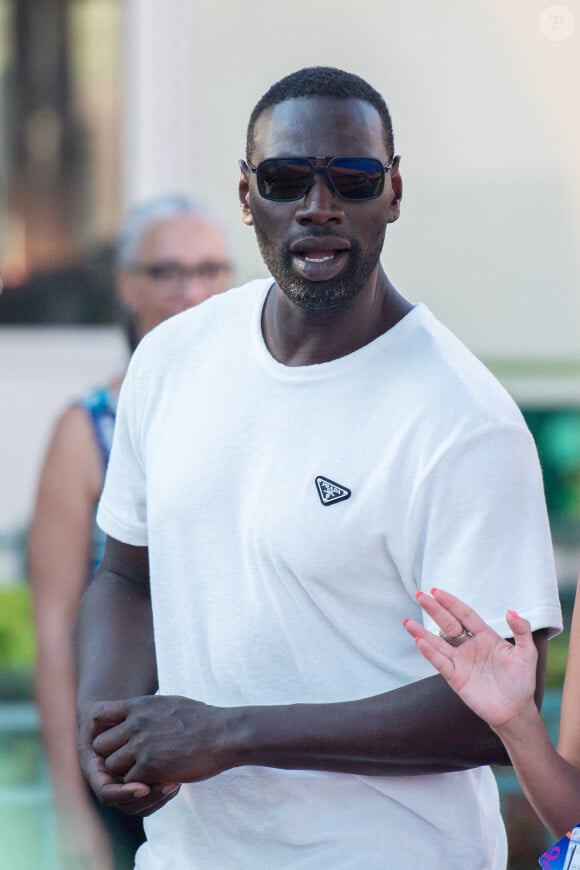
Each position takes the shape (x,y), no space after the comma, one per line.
(17,644)
(556,432)
(557,655)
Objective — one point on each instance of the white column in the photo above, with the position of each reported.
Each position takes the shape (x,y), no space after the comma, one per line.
(158,125)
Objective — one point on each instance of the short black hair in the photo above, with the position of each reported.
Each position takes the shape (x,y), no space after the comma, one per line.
(321,81)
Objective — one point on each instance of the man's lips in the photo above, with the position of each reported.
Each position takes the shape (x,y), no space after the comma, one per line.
(313,248)
(319,258)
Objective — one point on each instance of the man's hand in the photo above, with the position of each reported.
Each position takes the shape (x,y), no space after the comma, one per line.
(132,797)
(159,739)
(495,678)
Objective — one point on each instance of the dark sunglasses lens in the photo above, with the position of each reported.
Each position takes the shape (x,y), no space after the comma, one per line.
(282,179)
(357,177)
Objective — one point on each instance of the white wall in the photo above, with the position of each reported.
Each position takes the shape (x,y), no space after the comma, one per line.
(41,372)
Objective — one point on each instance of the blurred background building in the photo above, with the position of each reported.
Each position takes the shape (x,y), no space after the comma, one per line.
(59,166)
(106,102)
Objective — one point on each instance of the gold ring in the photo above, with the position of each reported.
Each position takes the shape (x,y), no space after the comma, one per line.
(457,639)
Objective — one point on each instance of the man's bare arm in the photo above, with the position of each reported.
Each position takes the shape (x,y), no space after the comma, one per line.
(417,729)
(116,659)
(114,635)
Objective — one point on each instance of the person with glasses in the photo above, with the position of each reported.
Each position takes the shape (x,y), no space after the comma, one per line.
(171,254)
(293,461)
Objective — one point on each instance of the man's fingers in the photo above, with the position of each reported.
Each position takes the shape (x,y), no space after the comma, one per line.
(123,793)
(137,805)
(108,788)
(109,741)
(121,762)
(99,776)
(106,714)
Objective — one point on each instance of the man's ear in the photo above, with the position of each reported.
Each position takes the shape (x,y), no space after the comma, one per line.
(244,196)
(397,188)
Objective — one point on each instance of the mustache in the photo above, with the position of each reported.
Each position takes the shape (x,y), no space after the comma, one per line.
(315,233)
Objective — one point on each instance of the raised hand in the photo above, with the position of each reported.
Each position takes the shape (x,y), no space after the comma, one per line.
(495,678)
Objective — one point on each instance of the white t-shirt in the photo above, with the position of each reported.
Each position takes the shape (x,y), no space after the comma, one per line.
(291,513)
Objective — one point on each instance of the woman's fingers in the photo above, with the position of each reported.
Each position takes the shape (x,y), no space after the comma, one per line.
(493,677)
(443,616)
(434,648)
(419,632)
(521,629)
(450,613)
(440,660)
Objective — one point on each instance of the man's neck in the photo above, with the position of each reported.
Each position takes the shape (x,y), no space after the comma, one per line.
(299,338)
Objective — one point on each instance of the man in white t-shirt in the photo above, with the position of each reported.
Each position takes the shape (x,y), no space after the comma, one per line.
(293,462)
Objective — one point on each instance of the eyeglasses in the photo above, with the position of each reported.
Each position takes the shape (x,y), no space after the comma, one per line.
(171,274)
(283,179)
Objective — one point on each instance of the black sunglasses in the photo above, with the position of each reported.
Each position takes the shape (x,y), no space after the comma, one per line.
(283,179)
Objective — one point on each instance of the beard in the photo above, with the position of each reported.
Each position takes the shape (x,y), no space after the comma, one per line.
(318,295)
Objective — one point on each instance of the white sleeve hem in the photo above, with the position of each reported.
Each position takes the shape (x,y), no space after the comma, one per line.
(121,531)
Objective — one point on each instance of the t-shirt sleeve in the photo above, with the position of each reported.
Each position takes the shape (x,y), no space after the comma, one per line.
(122,510)
(480,529)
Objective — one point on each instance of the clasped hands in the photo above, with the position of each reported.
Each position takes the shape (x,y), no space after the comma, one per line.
(135,753)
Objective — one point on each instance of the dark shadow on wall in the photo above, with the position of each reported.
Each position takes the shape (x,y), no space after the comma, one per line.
(81,293)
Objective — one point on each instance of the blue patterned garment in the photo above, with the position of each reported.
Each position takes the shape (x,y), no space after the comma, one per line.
(101,407)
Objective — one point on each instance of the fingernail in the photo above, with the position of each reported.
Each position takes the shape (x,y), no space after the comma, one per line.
(141,792)
(514,613)
(405,621)
(433,589)
(418,594)
(169,789)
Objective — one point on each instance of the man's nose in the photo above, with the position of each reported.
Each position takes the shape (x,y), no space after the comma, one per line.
(320,204)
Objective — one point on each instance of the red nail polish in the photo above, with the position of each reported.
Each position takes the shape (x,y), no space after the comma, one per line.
(514,613)
(418,594)
(434,589)
(405,621)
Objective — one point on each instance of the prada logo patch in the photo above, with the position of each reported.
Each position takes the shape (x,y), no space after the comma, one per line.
(330,492)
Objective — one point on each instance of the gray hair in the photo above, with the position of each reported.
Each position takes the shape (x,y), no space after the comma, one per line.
(143,214)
